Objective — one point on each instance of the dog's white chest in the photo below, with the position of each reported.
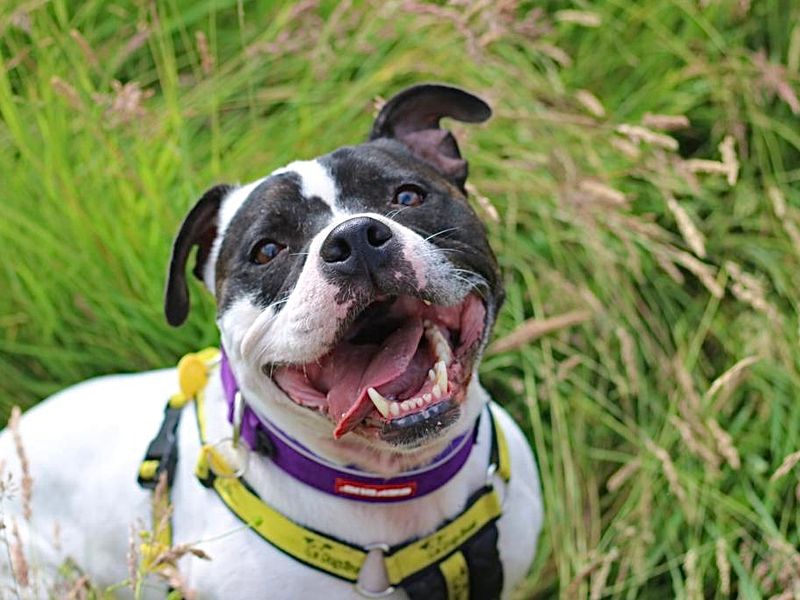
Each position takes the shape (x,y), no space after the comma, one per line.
(95,513)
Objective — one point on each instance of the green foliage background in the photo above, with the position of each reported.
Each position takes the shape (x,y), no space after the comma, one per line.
(657,444)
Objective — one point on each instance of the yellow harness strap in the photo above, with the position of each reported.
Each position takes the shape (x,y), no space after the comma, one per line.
(441,549)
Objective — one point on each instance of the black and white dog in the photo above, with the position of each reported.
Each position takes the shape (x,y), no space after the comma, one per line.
(355,294)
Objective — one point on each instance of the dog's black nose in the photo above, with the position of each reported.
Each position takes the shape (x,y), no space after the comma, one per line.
(359,245)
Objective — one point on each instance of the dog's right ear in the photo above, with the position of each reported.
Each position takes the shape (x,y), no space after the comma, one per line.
(199,229)
(412,117)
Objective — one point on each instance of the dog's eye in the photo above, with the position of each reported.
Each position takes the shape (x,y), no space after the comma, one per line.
(264,251)
(409,195)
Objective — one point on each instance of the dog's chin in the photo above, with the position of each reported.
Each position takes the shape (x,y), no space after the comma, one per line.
(397,375)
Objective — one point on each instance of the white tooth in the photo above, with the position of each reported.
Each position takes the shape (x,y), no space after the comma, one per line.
(436,391)
(427,398)
(379,401)
(441,375)
(426,302)
(439,343)
(431,374)
(394,407)
(419,402)
(405,405)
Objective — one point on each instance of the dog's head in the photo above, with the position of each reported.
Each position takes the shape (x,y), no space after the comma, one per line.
(359,287)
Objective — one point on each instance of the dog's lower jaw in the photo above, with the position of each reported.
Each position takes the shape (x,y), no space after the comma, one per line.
(314,430)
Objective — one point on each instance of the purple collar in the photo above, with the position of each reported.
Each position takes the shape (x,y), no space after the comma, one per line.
(348,482)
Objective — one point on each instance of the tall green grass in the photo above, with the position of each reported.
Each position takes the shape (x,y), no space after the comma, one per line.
(658,420)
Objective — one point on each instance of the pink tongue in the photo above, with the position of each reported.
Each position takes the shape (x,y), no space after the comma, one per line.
(347,398)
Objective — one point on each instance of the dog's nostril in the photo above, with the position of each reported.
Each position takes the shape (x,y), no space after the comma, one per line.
(336,250)
(358,241)
(378,234)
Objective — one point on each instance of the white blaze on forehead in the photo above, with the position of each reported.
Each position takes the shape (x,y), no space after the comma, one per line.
(315,180)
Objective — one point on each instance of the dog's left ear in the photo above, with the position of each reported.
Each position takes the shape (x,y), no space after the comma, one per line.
(199,229)
(412,117)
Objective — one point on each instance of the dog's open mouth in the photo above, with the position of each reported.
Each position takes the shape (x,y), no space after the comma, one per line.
(403,364)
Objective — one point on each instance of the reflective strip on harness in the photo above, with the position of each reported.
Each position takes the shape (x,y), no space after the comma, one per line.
(418,555)
(456,576)
(314,549)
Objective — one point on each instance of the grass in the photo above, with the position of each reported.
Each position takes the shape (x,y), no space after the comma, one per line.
(659,416)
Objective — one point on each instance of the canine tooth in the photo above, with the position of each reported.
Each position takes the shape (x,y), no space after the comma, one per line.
(426,398)
(394,407)
(426,302)
(431,374)
(441,375)
(436,391)
(440,345)
(381,403)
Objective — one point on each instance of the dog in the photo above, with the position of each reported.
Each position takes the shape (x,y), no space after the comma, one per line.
(355,295)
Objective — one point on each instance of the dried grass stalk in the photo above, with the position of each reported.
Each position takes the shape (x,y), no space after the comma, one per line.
(787,465)
(723,566)
(628,353)
(626,147)
(665,122)
(779,207)
(728,153)
(88,53)
(731,377)
(621,475)
(133,560)
(533,329)
(484,203)
(725,445)
(750,290)
(669,268)
(591,103)
(670,472)
(600,576)
(693,585)
(601,192)
(582,574)
(203,49)
(695,446)
(21,571)
(638,134)
(80,589)
(701,270)
(27,480)
(703,165)
(67,92)
(579,17)
(691,234)
(687,387)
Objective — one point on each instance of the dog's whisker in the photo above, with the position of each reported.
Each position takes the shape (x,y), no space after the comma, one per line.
(442,232)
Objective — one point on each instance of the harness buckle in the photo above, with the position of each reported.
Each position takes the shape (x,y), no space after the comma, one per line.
(162,453)
(365,593)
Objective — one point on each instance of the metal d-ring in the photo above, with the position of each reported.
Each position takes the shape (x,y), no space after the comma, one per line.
(241,454)
(384,548)
(238,416)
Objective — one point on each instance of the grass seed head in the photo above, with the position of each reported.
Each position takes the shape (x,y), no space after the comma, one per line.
(26,485)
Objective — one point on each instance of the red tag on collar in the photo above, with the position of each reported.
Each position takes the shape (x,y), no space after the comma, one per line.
(358,489)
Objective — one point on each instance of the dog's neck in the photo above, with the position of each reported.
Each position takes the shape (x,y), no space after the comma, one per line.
(314,430)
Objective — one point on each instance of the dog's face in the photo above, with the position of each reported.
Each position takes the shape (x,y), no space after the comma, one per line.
(359,286)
